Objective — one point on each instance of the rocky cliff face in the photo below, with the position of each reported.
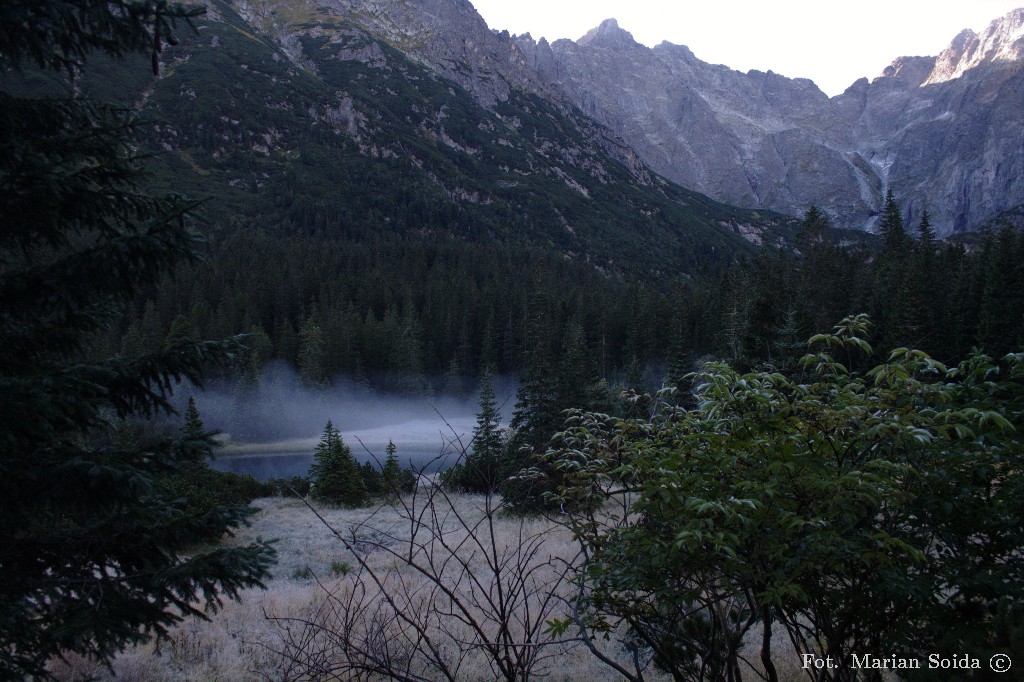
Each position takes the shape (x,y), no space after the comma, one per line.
(447,36)
(359,120)
(735,136)
(1003,41)
(945,133)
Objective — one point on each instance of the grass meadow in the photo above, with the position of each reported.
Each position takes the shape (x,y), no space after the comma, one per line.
(343,576)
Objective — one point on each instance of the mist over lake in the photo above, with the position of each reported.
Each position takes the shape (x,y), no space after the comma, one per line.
(271,430)
(420,444)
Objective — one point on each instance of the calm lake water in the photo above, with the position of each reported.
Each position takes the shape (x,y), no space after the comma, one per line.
(420,443)
(262,466)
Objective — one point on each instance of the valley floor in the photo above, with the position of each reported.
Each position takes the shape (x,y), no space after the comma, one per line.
(243,641)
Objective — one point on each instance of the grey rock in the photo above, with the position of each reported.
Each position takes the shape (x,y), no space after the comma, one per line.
(945,133)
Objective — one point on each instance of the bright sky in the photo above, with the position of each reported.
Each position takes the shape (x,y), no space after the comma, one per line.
(832,43)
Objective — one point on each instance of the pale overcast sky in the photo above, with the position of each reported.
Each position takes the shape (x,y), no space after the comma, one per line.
(832,43)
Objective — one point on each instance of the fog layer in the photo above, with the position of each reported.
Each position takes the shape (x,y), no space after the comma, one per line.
(276,416)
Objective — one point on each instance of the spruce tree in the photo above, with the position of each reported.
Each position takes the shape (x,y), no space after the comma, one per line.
(812,229)
(925,232)
(926,293)
(335,475)
(890,226)
(311,360)
(551,386)
(453,382)
(407,358)
(487,434)
(679,360)
(893,307)
(193,426)
(787,345)
(94,554)
(480,471)
(372,479)
(537,414)
(1001,304)
(391,473)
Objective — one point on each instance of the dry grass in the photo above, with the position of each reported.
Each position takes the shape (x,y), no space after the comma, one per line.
(318,578)
(241,643)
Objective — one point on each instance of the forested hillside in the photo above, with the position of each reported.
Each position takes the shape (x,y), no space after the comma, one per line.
(366,217)
(351,190)
(413,313)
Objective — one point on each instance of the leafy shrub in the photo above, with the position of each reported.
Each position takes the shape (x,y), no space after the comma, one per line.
(857,512)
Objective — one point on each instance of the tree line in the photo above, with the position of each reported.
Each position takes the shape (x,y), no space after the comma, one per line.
(430,315)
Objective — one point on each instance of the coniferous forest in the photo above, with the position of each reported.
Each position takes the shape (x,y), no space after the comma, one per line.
(802,447)
(431,315)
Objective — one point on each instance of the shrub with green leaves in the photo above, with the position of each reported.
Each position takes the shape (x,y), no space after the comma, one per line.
(873,512)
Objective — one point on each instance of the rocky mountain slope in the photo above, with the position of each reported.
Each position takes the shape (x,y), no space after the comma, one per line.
(394,79)
(945,133)
(353,119)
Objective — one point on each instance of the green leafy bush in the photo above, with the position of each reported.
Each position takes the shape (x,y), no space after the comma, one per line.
(873,512)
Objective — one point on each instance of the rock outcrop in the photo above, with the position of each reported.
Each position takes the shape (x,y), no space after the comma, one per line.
(945,133)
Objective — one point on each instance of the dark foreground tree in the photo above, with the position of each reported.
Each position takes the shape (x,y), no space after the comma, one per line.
(91,545)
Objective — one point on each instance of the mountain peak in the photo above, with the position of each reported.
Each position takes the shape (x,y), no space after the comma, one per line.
(608,34)
(1002,41)
(911,70)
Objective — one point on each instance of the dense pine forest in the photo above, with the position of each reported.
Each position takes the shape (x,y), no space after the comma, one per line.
(430,314)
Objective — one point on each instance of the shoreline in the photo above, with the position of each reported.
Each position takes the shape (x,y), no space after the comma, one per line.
(298,446)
